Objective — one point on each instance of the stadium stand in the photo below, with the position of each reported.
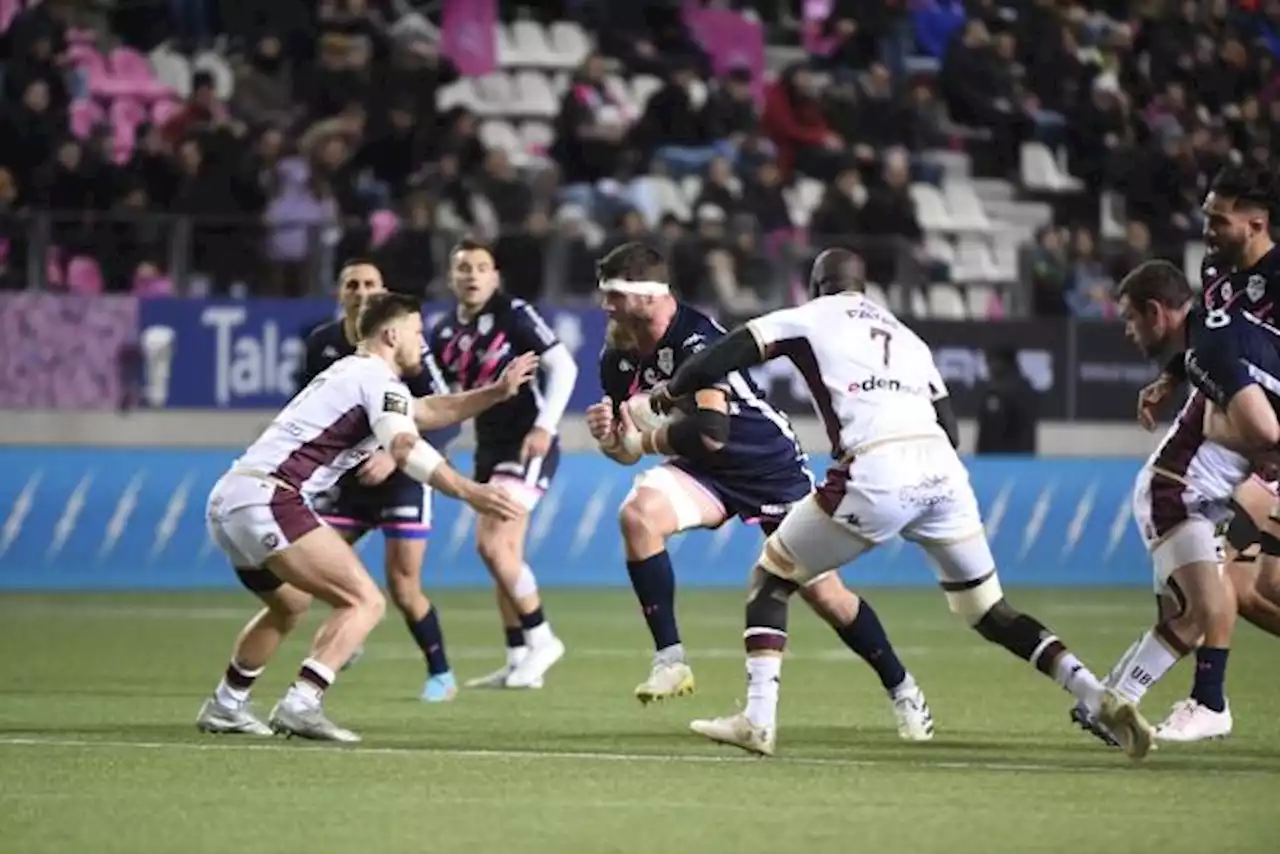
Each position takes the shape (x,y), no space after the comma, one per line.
(988,159)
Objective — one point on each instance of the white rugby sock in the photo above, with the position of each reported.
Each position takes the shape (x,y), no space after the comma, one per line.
(1070,673)
(1147,662)
(764,675)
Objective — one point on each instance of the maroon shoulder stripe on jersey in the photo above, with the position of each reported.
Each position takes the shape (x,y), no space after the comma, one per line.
(350,429)
(800,352)
(1168,510)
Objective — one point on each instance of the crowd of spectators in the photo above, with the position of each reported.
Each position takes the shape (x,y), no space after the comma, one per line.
(331,142)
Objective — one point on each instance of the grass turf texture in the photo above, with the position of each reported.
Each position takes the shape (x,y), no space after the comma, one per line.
(98,750)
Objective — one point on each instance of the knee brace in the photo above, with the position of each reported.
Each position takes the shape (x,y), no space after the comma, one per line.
(767,601)
(525,584)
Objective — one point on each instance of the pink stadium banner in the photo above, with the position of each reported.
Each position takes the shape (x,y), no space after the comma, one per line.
(732,41)
(64,351)
(469,35)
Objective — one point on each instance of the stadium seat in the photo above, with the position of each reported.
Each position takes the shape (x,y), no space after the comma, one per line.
(496,94)
(559,83)
(537,138)
(172,69)
(931,210)
(81,36)
(965,207)
(569,44)
(9,10)
(973,261)
(669,199)
(913,301)
(691,186)
(84,276)
(939,248)
(809,193)
(946,303)
(498,133)
(1039,171)
(529,42)
(643,87)
(534,96)
(224,81)
(1005,259)
(135,74)
(1192,260)
(164,110)
(981,300)
(461,93)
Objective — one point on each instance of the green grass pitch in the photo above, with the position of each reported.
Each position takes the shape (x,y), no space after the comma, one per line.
(98,753)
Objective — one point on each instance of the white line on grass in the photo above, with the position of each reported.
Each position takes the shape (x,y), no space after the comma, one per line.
(599,756)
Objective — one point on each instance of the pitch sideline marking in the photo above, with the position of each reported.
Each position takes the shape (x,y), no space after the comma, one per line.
(597,756)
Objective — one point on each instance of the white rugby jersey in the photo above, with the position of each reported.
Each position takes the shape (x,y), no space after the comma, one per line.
(327,429)
(1210,469)
(871,378)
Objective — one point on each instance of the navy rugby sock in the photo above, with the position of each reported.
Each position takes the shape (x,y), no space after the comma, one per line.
(867,638)
(430,639)
(655,585)
(1211,673)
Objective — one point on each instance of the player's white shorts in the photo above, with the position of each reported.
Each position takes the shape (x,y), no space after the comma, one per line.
(251,518)
(1178,523)
(918,489)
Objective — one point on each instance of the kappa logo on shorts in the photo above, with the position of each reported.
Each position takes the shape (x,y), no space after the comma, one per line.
(271,541)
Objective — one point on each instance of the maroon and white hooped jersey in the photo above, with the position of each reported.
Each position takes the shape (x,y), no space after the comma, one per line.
(327,429)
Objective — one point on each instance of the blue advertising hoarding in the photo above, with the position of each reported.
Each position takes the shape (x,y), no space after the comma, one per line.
(84,518)
(245,354)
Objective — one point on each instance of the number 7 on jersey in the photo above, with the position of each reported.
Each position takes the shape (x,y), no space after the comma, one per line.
(886,336)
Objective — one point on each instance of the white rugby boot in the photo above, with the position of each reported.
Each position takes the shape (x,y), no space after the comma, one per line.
(498,678)
(227,720)
(543,654)
(1191,721)
(1123,720)
(667,679)
(311,723)
(739,732)
(915,721)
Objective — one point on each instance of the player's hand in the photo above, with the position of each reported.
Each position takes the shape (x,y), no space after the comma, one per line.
(521,370)
(600,420)
(1150,398)
(537,443)
(488,500)
(660,400)
(376,469)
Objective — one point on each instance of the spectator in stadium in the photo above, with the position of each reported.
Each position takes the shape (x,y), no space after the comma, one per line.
(153,166)
(29,129)
(205,192)
(129,239)
(929,123)
(13,242)
(1089,284)
(1009,414)
(37,21)
(1046,269)
(762,197)
(35,60)
(937,22)
(672,128)
(793,119)
(883,118)
(201,110)
(340,78)
(592,131)
(1100,131)
(298,217)
(730,113)
(395,149)
(67,186)
(980,90)
(408,257)
(417,71)
(720,187)
(839,214)
(264,86)
(889,220)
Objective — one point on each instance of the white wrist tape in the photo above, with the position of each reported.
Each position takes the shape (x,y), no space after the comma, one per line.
(422,462)
(633,443)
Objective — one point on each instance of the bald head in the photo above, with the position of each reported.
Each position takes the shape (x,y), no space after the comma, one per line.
(836,270)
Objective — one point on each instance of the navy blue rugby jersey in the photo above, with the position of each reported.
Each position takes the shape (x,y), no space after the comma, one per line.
(473,353)
(762,444)
(1254,289)
(1229,350)
(328,343)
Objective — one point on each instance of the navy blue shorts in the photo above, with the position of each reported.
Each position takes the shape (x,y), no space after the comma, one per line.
(756,499)
(399,506)
(529,480)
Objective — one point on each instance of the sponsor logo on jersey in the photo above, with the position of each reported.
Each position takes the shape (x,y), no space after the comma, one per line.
(875,383)
(392,402)
(666,360)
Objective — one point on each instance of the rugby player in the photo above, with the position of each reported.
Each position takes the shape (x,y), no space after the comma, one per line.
(516,445)
(379,496)
(259,513)
(732,455)
(889,420)
(1184,493)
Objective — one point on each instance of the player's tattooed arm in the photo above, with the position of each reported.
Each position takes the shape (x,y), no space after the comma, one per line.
(445,410)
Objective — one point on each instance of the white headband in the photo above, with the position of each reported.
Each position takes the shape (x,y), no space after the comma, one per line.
(640,289)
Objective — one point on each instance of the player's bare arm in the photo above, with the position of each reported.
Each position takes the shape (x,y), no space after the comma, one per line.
(1153,396)
(445,410)
(1248,425)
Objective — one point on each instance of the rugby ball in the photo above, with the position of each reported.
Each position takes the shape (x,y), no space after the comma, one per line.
(643,416)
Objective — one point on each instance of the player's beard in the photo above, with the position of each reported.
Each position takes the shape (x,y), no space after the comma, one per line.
(619,336)
(1228,254)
